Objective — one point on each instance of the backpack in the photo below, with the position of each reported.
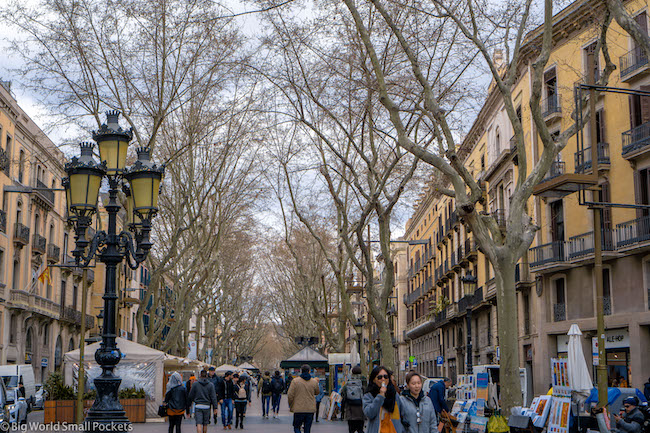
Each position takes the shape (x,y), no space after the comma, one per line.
(354,392)
(241,392)
(266,386)
(277,385)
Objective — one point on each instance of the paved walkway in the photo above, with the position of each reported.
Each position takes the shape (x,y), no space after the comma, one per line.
(254,423)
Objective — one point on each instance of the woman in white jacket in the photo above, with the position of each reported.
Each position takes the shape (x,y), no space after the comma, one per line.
(418,414)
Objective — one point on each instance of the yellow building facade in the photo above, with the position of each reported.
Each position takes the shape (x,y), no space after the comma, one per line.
(554,281)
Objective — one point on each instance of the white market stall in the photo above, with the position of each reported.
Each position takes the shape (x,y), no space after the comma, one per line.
(141,366)
(222,369)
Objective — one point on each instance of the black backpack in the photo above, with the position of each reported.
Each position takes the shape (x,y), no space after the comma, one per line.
(266,386)
(277,385)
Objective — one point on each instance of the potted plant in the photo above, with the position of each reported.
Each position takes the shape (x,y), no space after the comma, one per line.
(133,402)
(60,404)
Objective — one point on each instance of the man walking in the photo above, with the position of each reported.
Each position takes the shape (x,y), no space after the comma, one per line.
(264,386)
(204,398)
(352,402)
(302,399)
(214,379)
(277,388)
(226,396)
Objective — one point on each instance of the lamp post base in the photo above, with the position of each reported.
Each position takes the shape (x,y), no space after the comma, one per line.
(107,414)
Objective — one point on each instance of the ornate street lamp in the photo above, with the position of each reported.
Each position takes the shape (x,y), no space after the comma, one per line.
(82,191)
(358,328)
(469,285)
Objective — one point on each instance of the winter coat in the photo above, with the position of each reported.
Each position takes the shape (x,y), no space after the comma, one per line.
(302,394)
(437,396)
(352,412)
(176,398)
(372,411)
(226,390)
(203,392)
(631,422)
(260,386)
(410,407)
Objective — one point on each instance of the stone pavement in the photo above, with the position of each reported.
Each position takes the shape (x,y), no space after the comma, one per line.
(253,423)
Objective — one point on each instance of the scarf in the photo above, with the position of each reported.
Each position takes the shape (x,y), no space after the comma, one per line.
(306,376)
(391,395)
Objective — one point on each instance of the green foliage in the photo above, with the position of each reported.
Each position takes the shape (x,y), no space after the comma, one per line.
(90,395)
(444,303)
(57,389)
(132,392)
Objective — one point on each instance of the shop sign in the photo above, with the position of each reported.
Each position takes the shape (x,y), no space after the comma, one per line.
(614,339)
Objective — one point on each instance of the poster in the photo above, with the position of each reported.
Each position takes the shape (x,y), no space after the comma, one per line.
(542,410)
(478,423)
(558,421)
(480,407)
(482,380)
(560,376)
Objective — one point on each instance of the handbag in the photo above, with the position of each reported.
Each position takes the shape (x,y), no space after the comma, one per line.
(162,410)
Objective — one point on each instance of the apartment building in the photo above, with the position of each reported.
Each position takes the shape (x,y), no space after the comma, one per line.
(554,281)
(39,320)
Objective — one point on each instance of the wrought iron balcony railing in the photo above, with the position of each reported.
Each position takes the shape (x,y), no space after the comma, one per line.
(631,61)
(583,157)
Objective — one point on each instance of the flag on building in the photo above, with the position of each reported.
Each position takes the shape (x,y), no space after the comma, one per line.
(45,276)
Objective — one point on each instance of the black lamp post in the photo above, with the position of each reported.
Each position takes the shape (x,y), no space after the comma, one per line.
(358,328)
(469,284)
(85,176)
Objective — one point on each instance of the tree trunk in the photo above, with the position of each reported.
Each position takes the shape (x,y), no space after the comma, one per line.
(387,351)
(504,268)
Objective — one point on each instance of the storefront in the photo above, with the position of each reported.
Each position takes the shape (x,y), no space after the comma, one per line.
(617,347)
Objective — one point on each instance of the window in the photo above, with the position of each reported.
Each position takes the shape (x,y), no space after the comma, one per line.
(550,87)
(13,324)
(557,220)
(607,292)
(596,69)
(19,213)
(75,290)
(46,334)
(559,308)
(642,190)
(482,162)
(526,305)
(2,266)
(15,283)
(21,166)
(497,142)
(37,224)
(52,233)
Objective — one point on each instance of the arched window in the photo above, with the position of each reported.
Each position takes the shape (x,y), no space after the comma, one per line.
(37,223)
(71,344)
(51,238)
(28,344)
(19,212)
(58,349)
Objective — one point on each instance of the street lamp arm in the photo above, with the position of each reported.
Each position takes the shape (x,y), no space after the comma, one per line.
(82,259)
(134,255)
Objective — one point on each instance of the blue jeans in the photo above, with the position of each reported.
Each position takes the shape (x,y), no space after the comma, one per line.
(300,419)
(266,401)
(226,412)
(276,402)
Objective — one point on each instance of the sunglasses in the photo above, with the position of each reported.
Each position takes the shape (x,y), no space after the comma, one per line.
(626,406)
(383,376)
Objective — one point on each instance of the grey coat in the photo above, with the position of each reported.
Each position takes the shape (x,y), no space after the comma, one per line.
(372,409)
(631,422)
(428,419)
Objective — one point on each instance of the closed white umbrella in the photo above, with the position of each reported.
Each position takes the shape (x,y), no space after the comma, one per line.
(579,377)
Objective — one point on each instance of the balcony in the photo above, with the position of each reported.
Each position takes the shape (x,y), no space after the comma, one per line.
(53,253)
(633,232)
(39,244)
(470,249)
(636,141)
(452,310)
(559,312)
(44,192)
(454,221)
(21,234)
(438,275)
(583,158)
(413,296)
(439,318)
(633,63)
(552,107)
(23,300)
(558,183)
(454,261)
(440,237)
(417,322)
(500,217)
(71,315)
(470,301)
(557,169)
(547,254)
(3,221)
(583,245)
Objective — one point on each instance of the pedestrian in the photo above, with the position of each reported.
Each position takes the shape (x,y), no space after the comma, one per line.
(319,398)
(352,402)
(242,398)
(177,402)
(226,395)
(302,399)
(418,413)
(437,395)
(21,411)
(630,421)
(646,390)
(264,386)
(381,404)
(214,379)
(277,385)
(204,398)
(188,387)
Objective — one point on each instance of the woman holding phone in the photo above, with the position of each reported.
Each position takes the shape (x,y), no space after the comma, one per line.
(381,404)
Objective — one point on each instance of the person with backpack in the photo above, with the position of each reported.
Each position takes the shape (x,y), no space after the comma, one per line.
(277,387)
(418,414)
(242,393)
(204,397)
(351,404)
(264,386)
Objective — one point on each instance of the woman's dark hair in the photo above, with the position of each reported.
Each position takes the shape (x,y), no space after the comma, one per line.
(411,375)
(391,392)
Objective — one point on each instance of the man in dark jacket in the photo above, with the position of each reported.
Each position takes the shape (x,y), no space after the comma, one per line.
(632,420)
(437,395)
(214,379)
(204,398)
(226,394)
(277,387)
